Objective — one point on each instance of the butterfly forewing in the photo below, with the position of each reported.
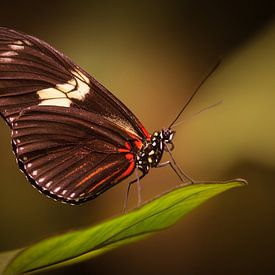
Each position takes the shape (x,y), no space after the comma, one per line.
(34,73)
(71,157)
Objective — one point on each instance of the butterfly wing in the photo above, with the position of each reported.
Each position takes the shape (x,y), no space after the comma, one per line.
(34,73)
(71,155)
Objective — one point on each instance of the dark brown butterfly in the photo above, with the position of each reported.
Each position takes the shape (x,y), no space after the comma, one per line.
(72,138)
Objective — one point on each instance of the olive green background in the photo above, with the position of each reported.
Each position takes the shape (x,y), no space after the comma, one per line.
(152,55)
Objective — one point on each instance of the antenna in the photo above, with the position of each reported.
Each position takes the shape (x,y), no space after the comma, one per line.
(197,113)
(195,92)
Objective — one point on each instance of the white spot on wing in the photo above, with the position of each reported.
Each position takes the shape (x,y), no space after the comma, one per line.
(17,47)
(67,87)
(82,86)
(57,189)
(50,93)
(27,42)
(9,53)
(48,184)
(21,148)
(34,173)
(53,97)
(63,102)
(77,88)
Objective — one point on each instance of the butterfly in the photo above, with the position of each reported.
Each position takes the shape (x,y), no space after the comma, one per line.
(72,138)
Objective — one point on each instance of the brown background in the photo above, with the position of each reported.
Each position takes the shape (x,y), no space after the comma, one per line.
(151,55)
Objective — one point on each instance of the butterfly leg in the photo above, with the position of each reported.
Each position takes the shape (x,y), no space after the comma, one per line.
(176,165)
(137,180)
(163,164)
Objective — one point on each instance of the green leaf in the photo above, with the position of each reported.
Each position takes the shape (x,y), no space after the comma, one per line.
(79,245)
(6,257)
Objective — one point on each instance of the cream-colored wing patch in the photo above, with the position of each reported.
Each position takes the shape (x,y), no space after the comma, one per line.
(50,93)
(53,97)
(82,86)
(63,102)
(75,88)
(67,87)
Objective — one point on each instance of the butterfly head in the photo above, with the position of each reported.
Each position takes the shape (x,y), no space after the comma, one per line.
(167,136)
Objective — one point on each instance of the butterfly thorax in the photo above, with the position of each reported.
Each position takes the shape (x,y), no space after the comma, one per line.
(151,153)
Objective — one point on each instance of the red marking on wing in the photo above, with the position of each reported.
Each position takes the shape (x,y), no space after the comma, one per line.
(102,181)
(127,172)
(129,156)
(148,136)
(127,145)
(137,140)
(79,168)
(122,150)
(138,144)
(98,170)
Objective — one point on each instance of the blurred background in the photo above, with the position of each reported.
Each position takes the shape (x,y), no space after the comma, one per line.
(152,55)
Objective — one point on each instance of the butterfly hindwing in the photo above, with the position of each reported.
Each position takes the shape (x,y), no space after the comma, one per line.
(69,155)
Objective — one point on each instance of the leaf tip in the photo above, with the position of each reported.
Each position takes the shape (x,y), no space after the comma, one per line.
(241,181)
